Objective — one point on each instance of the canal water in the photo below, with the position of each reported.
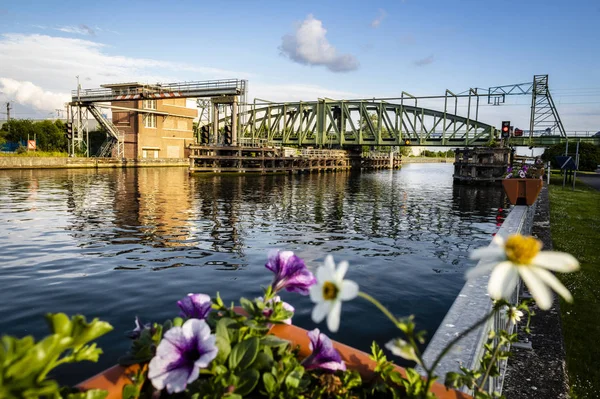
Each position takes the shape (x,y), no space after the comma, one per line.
(115,244)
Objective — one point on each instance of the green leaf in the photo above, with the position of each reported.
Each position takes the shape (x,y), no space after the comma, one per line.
(244,353)
(248,380)
(272,340)
(293,379)
(84,332)
(59,323)
(91,394)
(270,383)
(224,349)
(177,322)
(88,352)
(129,392)
(247,305)
(263,361)
(222,329)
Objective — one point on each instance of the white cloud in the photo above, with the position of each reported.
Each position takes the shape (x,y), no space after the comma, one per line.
(39,71)
(424,61)
(27,93)
(309,46)
(379,19)
(80,30)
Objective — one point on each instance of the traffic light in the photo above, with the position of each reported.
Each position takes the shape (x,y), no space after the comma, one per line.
(227,135)
(69,130)
(518,132)
(204,134)
(505,129)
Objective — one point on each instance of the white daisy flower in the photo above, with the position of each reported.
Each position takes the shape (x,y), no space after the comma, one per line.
(329,292)
(521,256)
(400,347)
(514,314)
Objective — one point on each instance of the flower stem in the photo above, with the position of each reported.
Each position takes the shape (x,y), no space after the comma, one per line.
(460,336)
(380,307)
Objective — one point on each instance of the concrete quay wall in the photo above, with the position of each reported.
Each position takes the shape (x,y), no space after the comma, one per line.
(74,163)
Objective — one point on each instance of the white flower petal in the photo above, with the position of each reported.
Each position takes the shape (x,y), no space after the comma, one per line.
(320,311)
(492,252)
(480,270)
(498,241)
(556,261)
(510,283)
(540,292)
(327,271)
(176,380)
(333,318)
(550,279)
(194,374)
(157,371)
(316,292)
(341,270)
(349,290)
(502,275)
(195,328)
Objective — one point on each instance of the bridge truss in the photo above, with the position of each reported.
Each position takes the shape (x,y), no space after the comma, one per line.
(329,122)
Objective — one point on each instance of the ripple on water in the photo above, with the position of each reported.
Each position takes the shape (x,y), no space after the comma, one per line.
(118,243)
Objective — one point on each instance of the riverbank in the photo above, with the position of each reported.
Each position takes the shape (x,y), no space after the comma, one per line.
(575,225)
(75,163)
(427,160)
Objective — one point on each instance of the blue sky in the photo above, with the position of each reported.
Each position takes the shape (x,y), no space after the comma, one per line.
(309,49)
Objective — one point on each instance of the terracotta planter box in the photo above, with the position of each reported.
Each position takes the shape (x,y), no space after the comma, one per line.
(115,378)
(522,191)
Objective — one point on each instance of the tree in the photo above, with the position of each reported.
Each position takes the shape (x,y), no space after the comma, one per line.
(49,135)
(589,155)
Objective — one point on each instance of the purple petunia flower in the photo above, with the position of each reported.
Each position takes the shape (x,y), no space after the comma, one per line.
(195,306)
(268,312)
(290,272)
(522,174)
(509,170)
(181,354)
(324,355)
(137,331)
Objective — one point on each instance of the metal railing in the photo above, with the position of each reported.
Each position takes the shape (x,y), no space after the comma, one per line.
(235,86)
(471,305)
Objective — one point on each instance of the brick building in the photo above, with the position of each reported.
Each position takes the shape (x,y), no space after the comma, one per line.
(162,128)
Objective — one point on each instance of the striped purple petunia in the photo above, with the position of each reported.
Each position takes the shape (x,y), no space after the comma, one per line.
(195,306)
(290,272)
(324,355)
(181,354)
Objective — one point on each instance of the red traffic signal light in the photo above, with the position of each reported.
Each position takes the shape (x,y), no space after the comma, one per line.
(505,129)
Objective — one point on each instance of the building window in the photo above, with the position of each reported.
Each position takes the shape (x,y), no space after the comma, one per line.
(150,120)
(149,104)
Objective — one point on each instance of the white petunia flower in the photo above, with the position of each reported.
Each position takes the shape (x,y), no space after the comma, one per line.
(329,292)
(521,256)
(514,315)
(400,347)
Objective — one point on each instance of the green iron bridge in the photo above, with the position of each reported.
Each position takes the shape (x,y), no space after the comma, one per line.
(394,121)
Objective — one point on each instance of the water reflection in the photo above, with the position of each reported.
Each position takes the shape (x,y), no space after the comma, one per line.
(116,243)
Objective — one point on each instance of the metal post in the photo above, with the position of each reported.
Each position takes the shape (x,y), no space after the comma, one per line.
(548,174)
(234,121)
(576,164)
(8,116)
(215,125)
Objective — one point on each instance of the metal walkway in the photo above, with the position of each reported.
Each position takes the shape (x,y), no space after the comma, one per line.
(138,91)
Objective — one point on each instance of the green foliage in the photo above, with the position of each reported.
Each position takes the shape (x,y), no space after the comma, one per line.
(589,155)
(25,364)
(50,136)
(575,225)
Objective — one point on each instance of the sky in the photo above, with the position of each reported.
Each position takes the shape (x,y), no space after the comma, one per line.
(303,50)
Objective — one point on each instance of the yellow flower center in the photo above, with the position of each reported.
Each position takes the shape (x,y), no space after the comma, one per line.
(330,290)
(521,250)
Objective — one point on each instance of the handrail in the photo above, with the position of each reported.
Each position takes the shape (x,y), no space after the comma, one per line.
(471,304)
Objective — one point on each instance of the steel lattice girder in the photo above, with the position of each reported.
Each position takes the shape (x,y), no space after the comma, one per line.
(360,122)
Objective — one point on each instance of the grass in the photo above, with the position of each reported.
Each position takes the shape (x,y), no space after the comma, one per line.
(575,226)
(35,154)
